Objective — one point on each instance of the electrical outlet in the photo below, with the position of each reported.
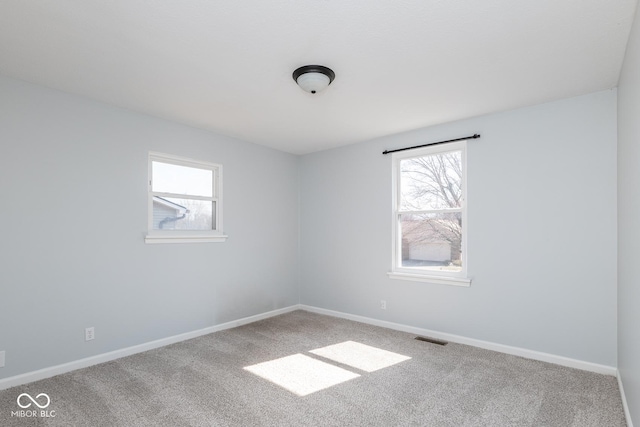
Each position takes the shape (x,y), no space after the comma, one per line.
(89,333)
(2,359)
(383,304)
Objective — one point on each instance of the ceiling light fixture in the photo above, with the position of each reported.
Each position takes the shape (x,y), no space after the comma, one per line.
(313,78)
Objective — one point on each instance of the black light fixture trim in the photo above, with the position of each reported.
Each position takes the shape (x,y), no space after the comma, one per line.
(314,69)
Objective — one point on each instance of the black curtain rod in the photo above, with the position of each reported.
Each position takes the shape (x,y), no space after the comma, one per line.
(432,143)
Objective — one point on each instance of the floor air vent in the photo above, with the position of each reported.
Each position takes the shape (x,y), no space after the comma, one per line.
(432,340)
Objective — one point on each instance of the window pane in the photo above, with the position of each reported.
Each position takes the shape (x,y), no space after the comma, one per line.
(169,178)
(432,241)
(183,214)
(431,182)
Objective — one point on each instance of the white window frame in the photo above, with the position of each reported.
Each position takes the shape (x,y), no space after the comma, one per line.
(185,236)
(457,278)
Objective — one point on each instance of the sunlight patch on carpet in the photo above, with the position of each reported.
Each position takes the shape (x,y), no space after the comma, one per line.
(301,374)
(360,356)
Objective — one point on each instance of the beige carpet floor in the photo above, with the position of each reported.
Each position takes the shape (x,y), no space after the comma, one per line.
(305,369)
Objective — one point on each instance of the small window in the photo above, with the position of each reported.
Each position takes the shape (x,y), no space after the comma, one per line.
(185,200)
(429,218)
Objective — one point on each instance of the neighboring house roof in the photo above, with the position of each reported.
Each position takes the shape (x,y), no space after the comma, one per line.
(179,208)
(433,231)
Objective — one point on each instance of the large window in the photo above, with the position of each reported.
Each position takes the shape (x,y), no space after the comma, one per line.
(430,215)
(185,200)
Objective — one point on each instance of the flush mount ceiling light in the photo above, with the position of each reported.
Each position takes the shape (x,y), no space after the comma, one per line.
(313,78)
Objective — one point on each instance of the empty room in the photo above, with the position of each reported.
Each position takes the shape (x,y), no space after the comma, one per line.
(320,213)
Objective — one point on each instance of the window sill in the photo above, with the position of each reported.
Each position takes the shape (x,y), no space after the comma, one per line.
(151,239)
(438,280)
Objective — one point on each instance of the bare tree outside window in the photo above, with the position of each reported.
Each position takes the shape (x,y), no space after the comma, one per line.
(200,215)
(430,216)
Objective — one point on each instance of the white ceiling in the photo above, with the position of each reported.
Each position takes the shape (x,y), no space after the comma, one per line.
(226,65)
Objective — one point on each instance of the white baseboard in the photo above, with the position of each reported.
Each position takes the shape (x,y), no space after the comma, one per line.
(627,414)
(112,355)
(516,351)
(106,357)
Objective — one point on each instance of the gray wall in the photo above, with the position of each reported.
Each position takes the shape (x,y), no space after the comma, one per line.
(629,222)
(73,174)
(542,231)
